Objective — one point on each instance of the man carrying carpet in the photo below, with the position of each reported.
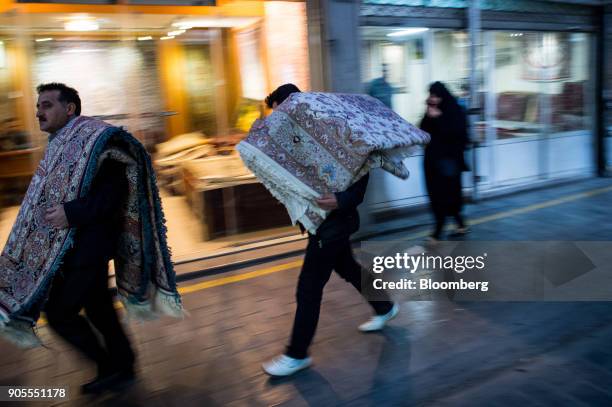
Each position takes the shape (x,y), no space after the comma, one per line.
(309,157)
(93,198)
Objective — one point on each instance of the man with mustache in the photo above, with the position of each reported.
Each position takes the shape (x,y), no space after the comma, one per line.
(82,281)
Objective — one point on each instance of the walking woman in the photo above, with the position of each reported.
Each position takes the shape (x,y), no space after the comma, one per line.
(446,122)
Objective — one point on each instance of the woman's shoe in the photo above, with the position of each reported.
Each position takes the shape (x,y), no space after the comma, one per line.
(461,231)
(431,241)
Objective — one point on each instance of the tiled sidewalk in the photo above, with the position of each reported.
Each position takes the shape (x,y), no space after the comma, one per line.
(434,353)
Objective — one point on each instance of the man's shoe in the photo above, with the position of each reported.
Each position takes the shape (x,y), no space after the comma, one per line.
(378,322)
(112,381)
(284,365)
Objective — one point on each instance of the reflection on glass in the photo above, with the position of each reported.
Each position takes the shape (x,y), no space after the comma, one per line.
(569,98)
(116,80)
(18,154)
(450,62)
(540,80)
(396,66)
(189,92)
(517,84)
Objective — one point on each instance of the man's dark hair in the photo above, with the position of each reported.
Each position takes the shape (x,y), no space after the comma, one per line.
(280,94)
(66,94)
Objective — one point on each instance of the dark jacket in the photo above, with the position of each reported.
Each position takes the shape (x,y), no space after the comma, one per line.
(449,137)
(96,217)
(342,222)
(444,161)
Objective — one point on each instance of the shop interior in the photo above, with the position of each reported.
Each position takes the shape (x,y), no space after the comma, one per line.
(188,86)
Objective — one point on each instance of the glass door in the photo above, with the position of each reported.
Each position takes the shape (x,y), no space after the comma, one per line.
(537,118)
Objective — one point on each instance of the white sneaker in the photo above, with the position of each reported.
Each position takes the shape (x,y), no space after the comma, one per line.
(377,322)
(284,365)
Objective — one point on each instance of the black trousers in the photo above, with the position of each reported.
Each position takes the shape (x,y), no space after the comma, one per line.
(316,270)
(441,220)
(445,197)
(77,288)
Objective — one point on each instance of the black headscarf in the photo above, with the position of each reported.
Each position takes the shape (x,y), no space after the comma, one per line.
(449,102)
(449,131)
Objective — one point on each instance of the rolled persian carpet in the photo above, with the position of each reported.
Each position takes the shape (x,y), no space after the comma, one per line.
(35,250)
(319,143)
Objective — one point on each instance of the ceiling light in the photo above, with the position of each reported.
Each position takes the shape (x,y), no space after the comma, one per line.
(169,37)
(81,25)
(146,38)
(175,33)
(82,50)
(43,39)
(216,22)
(408,31)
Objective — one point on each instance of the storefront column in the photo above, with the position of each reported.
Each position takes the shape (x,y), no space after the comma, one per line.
(475,107)
(316,46)
(604,94)
(334,46)
(339,46)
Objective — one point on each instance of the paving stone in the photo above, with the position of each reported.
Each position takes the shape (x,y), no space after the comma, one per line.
(434,353)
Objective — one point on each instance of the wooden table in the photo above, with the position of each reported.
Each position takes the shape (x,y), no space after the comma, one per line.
(16,168)
(233,207)
(19,163)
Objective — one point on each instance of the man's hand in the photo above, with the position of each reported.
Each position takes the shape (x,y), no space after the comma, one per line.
(328,202)
(56,216)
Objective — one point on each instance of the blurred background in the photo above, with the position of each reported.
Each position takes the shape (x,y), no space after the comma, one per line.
(188,78)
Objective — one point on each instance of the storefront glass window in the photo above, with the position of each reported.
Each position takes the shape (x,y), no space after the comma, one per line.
(19,150)
(450,63)
(412,59)
(517,85)
(7,101)
(394,69)
(541,83)
(569,98)
(187,86)
(117,80)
